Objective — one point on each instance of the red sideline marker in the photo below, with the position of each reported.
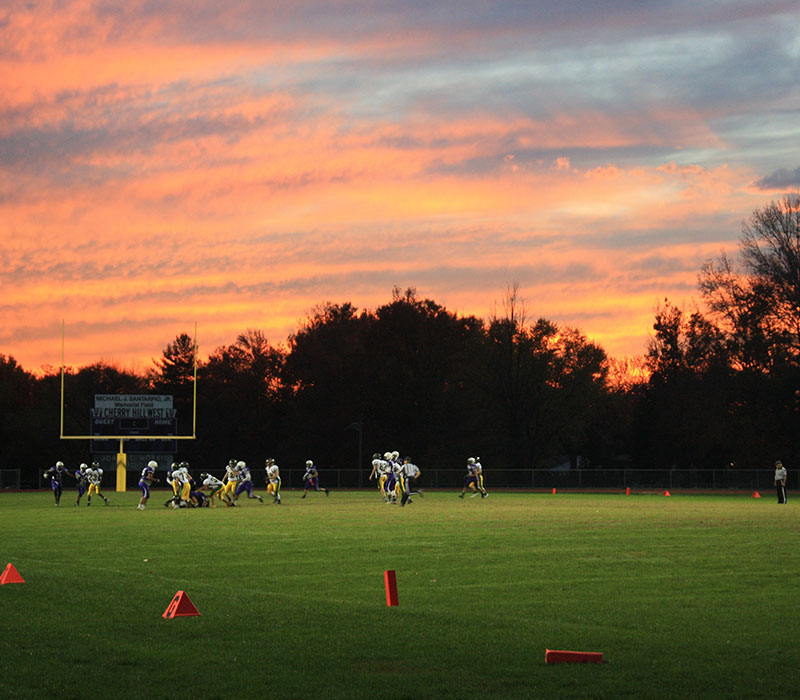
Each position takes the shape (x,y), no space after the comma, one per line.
(627,490)
(667,493)
(756,494)
(390,577)
(180,606)
(552,656)
(554,490)
(10,575)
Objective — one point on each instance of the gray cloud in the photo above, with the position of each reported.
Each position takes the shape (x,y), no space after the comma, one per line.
(780,179)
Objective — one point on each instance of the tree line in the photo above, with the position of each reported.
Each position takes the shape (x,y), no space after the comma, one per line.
(719,386)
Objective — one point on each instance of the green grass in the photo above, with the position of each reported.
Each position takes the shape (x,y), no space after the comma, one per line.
(687,597)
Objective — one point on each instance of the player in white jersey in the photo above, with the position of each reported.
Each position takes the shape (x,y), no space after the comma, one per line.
(478,470)
(184,482)
(213,486)
(474,480)
(95,476)
(231,479)
(380,472)
(273,480)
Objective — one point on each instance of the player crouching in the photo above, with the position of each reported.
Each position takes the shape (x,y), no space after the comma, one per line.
(214,486)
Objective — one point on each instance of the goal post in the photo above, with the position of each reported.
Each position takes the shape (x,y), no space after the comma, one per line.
(122,457)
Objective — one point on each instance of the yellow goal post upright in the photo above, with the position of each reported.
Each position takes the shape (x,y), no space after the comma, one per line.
(122,458)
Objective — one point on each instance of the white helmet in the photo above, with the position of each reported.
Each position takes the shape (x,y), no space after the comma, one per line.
(387,456)
(240,465)
(309,463)
(59,465)
(152,464)
(83,466)
(471,460)
(395,455)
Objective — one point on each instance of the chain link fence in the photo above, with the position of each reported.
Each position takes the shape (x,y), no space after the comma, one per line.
(531,479)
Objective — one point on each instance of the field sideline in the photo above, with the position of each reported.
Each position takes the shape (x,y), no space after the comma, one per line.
(687,597)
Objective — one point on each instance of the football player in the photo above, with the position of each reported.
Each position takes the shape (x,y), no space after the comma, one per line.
(95,476)
(56,476)
(391,478)
(311,479)
(380,469)
(273,480)
(230,479)
(81,481)
(478,471)
(245,483)
(147,477)
(214,486)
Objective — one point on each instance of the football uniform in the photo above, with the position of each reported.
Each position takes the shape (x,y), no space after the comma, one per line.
(382,473)
(311,479)
(231,478)
(274,482)
(56,476)
(147,477)
(81,483)
(184,481)
(95,477)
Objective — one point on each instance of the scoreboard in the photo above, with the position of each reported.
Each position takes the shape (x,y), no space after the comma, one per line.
(130,415)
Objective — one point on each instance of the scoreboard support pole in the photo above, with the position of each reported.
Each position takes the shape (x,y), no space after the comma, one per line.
(122,471)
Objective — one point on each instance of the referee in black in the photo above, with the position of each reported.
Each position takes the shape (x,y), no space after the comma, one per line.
(780,481)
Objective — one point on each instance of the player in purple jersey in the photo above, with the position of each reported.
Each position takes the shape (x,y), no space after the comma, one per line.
(148,477)
(471,482)
(56,476)
(81,481)
(245,483)
(311,480)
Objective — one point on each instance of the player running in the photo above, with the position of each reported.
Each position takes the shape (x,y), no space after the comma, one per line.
(81,481)
(471,482)
(311,480)
(56,475)
(230,480)
(478,470)
(147,478)
(245,483)
(273,480)
(95,476)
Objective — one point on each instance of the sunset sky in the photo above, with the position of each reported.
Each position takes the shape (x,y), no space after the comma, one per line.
(236,163)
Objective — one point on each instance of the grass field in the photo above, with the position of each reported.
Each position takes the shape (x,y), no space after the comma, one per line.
(692,596)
